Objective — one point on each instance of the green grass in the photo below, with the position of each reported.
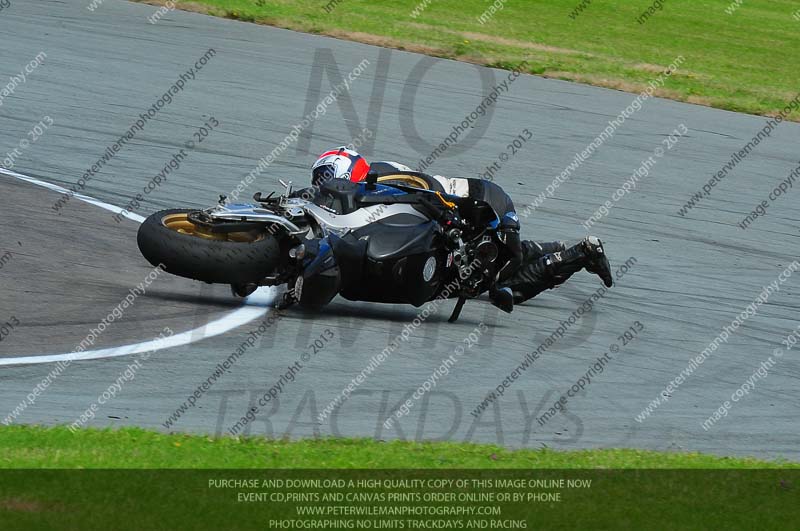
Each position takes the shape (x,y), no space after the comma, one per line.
(37,447)
(744,62)
(157,481)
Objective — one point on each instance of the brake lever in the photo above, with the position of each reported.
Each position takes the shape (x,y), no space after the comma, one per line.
(288,187)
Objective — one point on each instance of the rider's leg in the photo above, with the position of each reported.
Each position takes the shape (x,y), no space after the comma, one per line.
(510,237)
(545,273)
(533,250)
(554,269)
(500,295)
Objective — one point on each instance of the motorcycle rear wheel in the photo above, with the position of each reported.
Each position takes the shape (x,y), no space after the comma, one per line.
(189,250)
(407,180)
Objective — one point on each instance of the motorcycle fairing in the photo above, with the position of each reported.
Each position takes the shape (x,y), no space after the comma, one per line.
(343,223)
(389,260)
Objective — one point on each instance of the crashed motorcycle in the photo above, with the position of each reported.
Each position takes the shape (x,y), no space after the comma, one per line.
(387,240)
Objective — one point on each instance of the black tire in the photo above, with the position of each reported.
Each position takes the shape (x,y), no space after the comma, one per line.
(215,261)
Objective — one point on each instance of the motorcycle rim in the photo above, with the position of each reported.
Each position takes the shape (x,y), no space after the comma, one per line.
(181,224)
(408,180)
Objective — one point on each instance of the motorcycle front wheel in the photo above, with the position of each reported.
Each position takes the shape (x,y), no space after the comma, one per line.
(169,238)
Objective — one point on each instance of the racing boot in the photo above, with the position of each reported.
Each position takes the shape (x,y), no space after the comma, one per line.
(502,298)
(597,260)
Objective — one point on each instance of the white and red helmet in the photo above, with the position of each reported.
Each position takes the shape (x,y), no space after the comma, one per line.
(340,163)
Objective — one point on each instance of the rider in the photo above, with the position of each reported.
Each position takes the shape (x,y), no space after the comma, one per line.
(533,267)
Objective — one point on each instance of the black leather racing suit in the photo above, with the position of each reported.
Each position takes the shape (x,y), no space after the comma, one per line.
(528,271)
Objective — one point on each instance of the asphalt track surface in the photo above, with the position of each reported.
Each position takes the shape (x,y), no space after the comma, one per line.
(692,274)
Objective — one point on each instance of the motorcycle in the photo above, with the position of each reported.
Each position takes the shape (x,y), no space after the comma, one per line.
(387,239)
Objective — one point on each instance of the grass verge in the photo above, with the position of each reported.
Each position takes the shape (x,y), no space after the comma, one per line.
(136,479)
(745,61)
(37,447)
